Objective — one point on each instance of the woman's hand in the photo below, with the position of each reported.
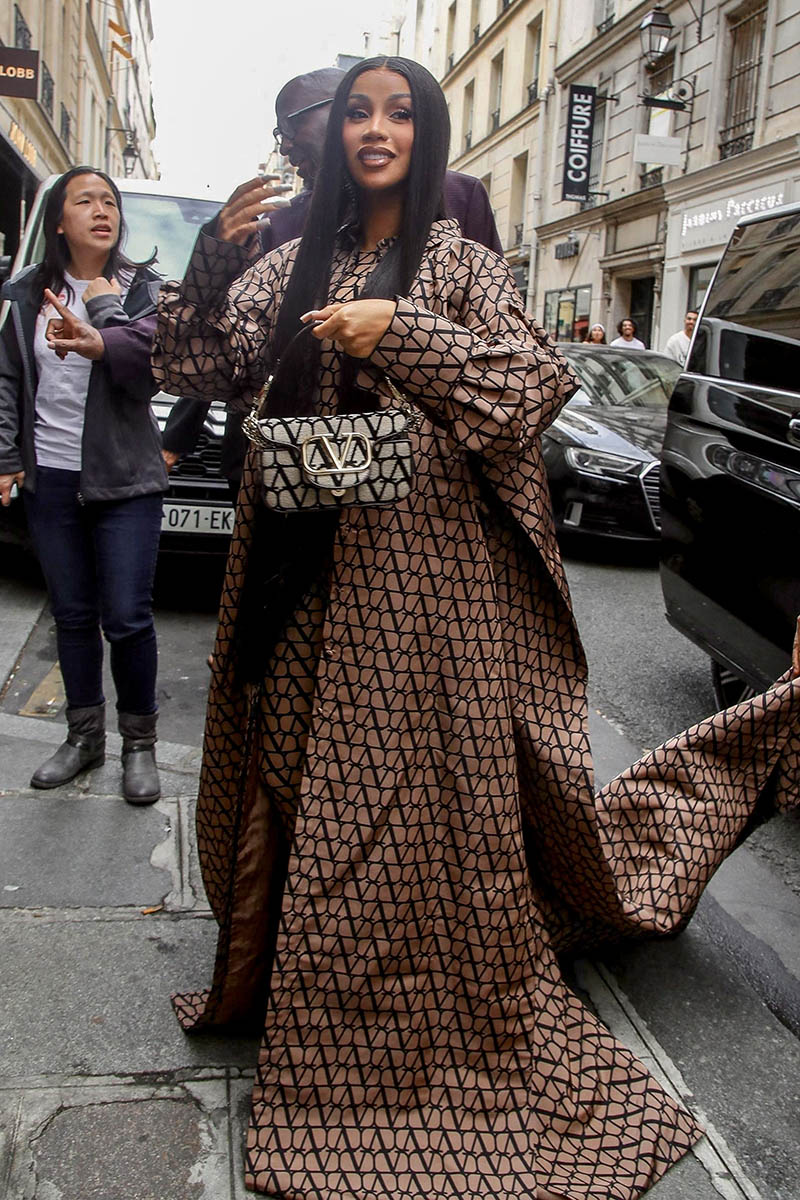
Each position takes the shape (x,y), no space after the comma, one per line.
(6,484)
(796,652)
(356,327)
(70,333)
(102,287)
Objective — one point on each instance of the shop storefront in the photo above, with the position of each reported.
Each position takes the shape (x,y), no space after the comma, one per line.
(702,211)
(19,179)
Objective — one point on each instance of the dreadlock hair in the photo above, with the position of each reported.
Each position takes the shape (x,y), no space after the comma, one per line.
(332,204)
(51,272)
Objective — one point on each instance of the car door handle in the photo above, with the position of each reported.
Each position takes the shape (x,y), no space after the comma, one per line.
(794,431)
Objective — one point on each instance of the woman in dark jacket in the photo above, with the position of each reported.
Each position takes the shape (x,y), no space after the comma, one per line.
(77,434)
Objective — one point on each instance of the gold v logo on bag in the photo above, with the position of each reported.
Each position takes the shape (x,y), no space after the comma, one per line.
(324,455)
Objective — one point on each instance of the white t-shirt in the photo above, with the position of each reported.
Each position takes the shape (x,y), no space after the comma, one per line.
(61,391)
(633,344)
(677,347)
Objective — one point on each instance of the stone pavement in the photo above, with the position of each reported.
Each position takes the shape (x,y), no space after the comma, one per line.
(102,915)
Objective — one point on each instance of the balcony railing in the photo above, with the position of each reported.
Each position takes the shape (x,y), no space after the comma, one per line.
(533,92)
(467,140)
(48,90)
(518,231)
(605,25)
(22,34)
(651,178)
(495,120)
(735,140)
(66,127)
(476,35)
(451,61)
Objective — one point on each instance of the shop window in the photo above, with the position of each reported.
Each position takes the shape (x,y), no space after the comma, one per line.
(699,279)
(566,313)
(747,48)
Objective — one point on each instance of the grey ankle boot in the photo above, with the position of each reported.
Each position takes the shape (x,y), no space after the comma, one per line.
(85,747)
(140,783)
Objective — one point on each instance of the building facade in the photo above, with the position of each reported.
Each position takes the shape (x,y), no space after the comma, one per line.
(684,141)
(93,104)
(706,132)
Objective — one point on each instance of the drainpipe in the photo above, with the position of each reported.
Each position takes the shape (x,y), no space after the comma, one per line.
(541,130)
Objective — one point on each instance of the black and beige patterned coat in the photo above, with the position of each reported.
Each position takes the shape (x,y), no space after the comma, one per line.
(415,766)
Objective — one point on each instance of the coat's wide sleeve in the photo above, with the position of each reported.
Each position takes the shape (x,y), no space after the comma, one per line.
(10,385)
(487,370)
(215,327)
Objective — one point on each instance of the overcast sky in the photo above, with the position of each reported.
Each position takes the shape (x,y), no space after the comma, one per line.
(217,67)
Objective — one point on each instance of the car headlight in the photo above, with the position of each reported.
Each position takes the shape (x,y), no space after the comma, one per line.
(600,462)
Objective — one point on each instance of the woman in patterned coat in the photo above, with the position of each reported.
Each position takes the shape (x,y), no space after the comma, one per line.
(396,817)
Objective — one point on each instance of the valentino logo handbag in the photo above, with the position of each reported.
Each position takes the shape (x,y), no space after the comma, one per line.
(310,463)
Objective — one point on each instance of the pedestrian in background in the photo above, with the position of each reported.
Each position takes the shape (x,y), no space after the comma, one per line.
(77,434)
(596,335)
(677,346)
(627,330)
(302,108)
(398,711)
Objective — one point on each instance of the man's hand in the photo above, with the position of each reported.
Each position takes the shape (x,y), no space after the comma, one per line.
(240,217)
(70,333)
(357,326)
(102,287)
(170,458)
(6,484)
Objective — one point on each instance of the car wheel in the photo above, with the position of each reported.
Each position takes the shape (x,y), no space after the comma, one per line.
(729,688)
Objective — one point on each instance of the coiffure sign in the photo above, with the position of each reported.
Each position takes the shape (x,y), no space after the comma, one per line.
(19,73)
(578,147)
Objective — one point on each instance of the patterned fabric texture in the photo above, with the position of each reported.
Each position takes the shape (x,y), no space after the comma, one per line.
(397,828)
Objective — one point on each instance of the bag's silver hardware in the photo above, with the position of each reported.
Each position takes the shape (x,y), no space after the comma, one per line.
(336,461)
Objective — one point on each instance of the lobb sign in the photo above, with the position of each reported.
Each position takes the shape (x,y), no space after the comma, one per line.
(19,72)
(578,149)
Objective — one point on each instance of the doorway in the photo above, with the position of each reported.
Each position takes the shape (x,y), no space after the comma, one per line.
(641,309)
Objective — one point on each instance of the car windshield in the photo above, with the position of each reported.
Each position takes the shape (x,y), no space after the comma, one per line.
(629,380)
(169,224)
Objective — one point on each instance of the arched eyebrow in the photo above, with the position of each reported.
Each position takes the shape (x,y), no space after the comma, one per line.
(394,96)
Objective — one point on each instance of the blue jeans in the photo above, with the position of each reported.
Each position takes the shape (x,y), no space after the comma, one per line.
(99,561)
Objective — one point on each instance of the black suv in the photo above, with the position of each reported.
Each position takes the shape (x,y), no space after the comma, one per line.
(730,468)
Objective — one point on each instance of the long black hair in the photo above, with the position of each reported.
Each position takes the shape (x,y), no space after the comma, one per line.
(51,272)
(335,199)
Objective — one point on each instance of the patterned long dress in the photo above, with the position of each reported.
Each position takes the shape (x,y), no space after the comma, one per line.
(397,825)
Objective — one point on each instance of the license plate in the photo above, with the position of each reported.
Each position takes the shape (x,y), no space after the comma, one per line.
(197,518)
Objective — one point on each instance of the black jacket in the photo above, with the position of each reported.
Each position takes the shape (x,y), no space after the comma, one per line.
(121,441)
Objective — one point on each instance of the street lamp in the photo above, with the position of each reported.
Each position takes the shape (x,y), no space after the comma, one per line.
(655,31)
(131,150)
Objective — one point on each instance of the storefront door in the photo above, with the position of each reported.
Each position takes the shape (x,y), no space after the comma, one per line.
(641,310)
